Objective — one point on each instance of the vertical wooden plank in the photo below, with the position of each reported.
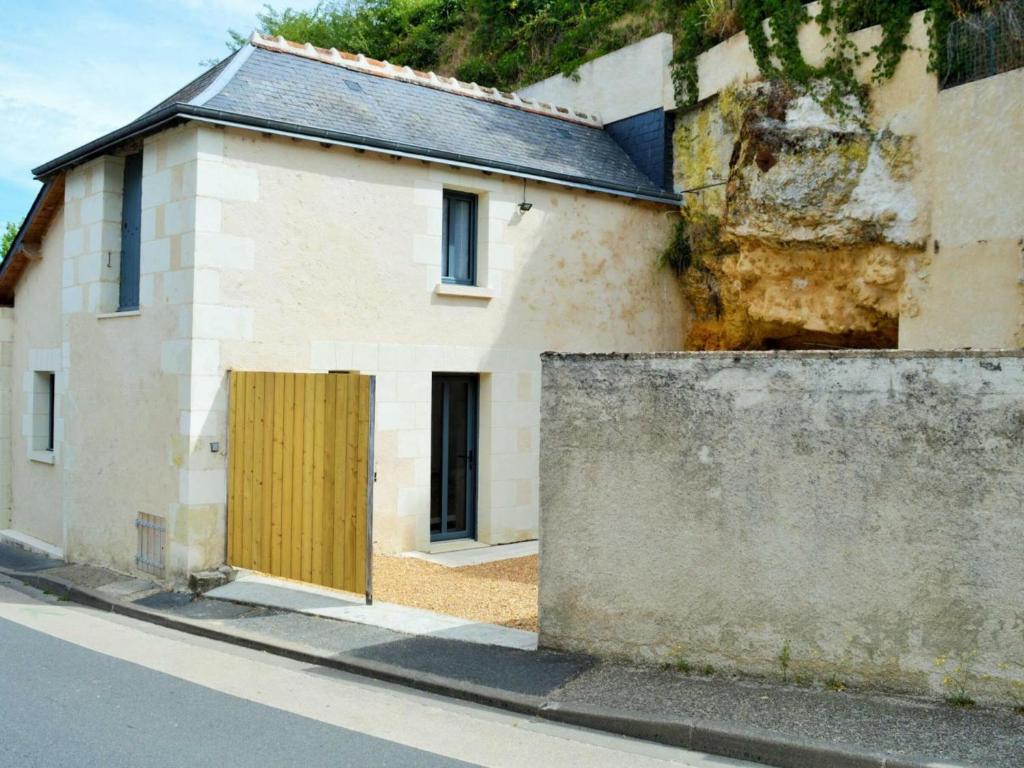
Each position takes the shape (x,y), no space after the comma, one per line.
(330,429)
(249,533)
(308,431)
(338,502)
(320,402)
(296,473)
(244,449)
(258,432)
(352,484)
(266,505)
(277,476)
(363,470)
(236,459)
(287,449)
(232,485)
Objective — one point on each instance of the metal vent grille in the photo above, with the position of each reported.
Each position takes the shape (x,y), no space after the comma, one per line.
(151,533)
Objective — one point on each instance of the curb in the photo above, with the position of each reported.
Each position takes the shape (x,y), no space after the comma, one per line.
(423,681)
(730,740)
(709,736)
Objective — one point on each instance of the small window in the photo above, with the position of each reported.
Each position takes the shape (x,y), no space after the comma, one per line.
(131,232)
(459,238)
(43,402)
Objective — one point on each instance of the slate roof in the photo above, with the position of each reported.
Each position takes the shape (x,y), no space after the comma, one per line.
(193,89)
(319,94)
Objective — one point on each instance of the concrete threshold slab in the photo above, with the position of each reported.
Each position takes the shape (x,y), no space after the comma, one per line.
(31,543)
(129,589)
(478,555)
(266,591)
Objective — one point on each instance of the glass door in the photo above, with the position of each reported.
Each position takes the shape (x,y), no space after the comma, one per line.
(453,457)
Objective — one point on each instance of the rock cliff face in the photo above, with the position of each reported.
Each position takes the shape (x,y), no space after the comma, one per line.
(806,243)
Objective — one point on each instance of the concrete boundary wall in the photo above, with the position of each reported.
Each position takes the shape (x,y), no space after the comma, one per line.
(861,513)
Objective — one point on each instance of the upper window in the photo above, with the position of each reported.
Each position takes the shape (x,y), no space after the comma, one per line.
(131,231)
(459,238)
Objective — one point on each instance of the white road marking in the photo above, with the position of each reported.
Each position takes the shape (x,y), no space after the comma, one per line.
(457,731)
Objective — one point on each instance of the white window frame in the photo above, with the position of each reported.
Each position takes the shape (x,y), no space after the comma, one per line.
(42,437)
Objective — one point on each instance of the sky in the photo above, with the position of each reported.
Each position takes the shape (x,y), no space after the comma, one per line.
(72,70)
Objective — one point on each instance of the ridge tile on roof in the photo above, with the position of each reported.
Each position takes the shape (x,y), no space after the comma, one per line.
(372,66)
(271,84)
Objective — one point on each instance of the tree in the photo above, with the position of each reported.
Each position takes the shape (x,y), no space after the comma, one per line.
(7,238)
(510,43)
(491,42)
(410,32)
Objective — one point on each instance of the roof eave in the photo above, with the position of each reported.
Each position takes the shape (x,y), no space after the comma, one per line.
(97,147)
(220,117)
(18,254)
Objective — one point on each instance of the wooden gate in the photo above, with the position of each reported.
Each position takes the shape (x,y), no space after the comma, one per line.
(300,476)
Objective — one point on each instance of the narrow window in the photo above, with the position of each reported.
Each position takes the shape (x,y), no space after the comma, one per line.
(51,381)
(44,392)
(459,238)
(131,230)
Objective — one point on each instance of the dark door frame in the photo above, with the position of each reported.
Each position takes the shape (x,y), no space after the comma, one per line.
(472,457)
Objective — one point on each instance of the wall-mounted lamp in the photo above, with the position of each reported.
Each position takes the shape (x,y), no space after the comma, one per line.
(525,206)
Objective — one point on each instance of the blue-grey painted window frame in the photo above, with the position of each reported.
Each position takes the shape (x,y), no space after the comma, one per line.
(131,234)
(473,445)
(471,236)
(51,415)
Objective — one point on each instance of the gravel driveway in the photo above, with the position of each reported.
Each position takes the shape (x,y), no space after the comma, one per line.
(503,592)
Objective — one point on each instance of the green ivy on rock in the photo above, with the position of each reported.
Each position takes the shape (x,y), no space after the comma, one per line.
(510,43)
(773,28)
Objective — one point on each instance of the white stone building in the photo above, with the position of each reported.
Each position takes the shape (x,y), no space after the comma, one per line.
(296,209)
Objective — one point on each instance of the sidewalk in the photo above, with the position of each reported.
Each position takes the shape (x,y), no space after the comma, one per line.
(266,592)
(784,726)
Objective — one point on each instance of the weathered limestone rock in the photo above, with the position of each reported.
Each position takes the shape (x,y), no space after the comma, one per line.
(812,229)
(800,176)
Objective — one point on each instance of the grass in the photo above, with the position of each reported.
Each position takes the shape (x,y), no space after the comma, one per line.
(961,700)
(784,658)
(835,684)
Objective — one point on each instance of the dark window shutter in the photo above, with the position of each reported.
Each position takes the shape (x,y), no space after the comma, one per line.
(131,233)
(52,380)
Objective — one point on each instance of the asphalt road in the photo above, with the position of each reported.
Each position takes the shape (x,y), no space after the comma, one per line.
(84,688)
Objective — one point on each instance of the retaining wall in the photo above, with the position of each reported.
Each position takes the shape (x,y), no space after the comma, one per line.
(863,510)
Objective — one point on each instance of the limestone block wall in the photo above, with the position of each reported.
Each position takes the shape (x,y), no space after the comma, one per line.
(92,237)
(123,379)
(135,390)
(218,257)
(862,510)
(325,259)
(969,290)
(36,476)
(617,85)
